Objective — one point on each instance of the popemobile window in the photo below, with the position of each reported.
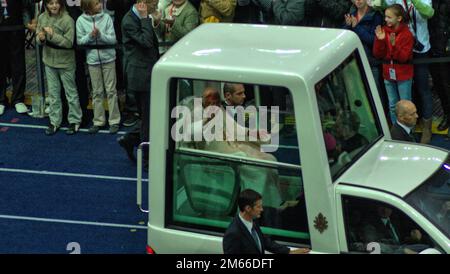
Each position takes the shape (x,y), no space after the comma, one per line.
(228,137)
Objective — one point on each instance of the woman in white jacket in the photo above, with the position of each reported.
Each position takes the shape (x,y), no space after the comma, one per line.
(95,28)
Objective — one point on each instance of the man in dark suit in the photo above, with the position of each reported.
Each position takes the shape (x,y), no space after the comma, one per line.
(141,50)
(394,233)
(402,129)
(244,236)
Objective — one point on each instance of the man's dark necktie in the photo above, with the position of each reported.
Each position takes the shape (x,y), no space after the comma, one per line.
(255,237)
(393,234)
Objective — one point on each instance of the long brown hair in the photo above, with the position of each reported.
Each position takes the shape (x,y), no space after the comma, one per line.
(399,11)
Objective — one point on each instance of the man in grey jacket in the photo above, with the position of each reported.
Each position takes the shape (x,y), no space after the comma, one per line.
(279,12)
(326,13)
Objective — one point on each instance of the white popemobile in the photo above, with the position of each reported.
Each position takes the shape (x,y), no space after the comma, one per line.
(336,181)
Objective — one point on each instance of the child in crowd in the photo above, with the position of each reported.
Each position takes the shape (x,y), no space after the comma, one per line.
(55,31)
(394,44)
(95,27)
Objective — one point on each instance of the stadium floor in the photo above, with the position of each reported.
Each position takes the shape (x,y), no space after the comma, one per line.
(62,189)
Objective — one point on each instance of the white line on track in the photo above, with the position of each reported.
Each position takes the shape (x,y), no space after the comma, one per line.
(25,218)
(44,127)
(45,172)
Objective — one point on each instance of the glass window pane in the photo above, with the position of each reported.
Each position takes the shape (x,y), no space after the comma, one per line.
(209,173)
(432,198)
(371,223)
(257,124)
(206,190)
(347,114)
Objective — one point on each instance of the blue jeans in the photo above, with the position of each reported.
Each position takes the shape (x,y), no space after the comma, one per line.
(397,90)
(421,73)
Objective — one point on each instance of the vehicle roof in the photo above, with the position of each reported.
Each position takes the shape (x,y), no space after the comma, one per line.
(395,167)
(283,50)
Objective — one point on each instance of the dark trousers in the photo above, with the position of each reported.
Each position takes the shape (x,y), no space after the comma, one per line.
(440,72)
(422,87)
(140,132)
(82,86)
(12,59)
(130,106)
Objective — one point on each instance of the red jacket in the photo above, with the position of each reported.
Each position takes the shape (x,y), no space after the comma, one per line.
(400,54)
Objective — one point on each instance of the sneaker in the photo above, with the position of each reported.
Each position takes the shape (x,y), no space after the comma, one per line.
(93,129)
(2,109)
(51,130)
(21,108)
(72,129)
(130,121)
(113,129)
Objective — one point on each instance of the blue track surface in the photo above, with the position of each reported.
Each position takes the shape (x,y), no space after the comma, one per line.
(33,237)
(87,197)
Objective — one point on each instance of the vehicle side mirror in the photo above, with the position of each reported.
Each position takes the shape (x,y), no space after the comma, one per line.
(430,251)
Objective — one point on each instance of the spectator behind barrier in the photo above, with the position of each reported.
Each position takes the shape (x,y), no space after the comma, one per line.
(178,19)
(59,60)
(418,13)
(215,11)
(81,81)
(363,20)
(141,53)
(282,12)
(440,47)
(94,27)
(326,13)
(14,16)
(120,8)
(394,43)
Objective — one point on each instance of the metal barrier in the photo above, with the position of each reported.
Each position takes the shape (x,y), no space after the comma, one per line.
(139,175)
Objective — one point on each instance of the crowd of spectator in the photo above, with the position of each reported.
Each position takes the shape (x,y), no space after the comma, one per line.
(122,39)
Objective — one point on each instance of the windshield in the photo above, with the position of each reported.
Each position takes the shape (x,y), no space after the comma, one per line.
(432,198)
(348,117)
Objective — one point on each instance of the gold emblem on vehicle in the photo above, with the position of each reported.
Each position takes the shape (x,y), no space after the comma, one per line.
(321,223)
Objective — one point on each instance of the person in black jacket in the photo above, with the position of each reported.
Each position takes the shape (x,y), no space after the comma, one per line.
(402,129)
(326,13)
(14,16)
(244,236)
(439,27)
(282,12)
(363,20)
(141,50)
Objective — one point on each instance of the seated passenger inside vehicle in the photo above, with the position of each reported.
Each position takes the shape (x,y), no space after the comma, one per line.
(347,132)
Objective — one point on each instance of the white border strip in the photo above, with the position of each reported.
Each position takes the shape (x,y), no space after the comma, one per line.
(25,218)
(45,172)
(44,127)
